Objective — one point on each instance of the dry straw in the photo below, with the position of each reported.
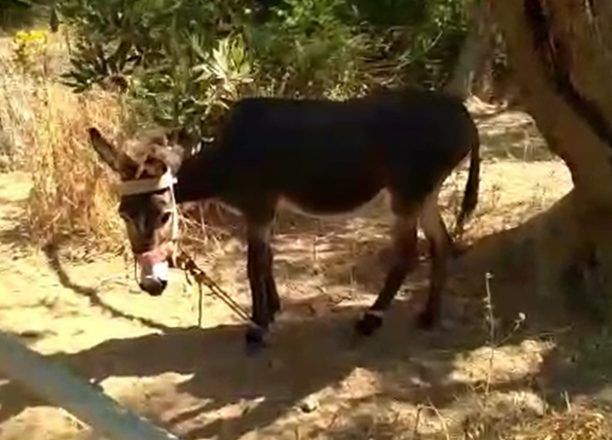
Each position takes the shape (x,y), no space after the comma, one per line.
(44,129)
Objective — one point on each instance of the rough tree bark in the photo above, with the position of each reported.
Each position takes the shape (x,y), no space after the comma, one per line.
(475,51)
(561,51)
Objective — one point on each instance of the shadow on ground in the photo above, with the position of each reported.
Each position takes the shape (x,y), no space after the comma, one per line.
(92,294)
(220,374)
(310,354)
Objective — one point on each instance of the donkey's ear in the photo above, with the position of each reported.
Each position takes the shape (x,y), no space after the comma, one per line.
(118,161)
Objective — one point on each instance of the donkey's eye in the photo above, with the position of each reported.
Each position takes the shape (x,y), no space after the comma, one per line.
(125,216)
(165,217)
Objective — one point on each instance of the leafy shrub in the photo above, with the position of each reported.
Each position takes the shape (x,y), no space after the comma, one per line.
(182,62)
(310,48)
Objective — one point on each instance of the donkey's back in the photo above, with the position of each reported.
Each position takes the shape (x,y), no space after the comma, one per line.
(393,119)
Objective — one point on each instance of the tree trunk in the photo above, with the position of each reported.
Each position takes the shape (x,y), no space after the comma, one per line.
(475,51)
(561,51)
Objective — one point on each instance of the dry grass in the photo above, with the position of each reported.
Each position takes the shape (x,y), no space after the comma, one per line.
(582,424)
(519,414)
(577,424)
(70,194)
(44,131)
(520,421)
(506,417)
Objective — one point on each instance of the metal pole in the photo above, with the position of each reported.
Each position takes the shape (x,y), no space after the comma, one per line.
(55,384)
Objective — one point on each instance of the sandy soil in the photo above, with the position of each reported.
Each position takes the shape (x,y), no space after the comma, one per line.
(314,381)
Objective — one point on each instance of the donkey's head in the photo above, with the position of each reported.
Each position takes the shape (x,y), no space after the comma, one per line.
(147,205)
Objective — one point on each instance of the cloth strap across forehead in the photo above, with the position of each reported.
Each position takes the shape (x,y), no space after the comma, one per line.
(143,186)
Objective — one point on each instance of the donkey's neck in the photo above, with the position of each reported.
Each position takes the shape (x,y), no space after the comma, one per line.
(199,177)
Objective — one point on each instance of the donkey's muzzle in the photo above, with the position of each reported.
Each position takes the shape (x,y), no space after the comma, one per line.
(154,273)
(152,285)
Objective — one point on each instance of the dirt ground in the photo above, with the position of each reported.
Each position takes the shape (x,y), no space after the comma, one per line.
(314,381)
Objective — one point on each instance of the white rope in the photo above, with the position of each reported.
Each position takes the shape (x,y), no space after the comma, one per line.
(175,213)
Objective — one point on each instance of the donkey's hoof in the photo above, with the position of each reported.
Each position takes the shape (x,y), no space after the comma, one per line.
(275,307)
(457,250)
(255,340)
(273,315)
(368,324)
(273,312)
(427,320)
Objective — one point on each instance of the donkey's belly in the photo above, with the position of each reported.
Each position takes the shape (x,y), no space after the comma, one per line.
(333,202)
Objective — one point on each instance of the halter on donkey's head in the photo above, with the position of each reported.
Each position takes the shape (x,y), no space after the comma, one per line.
(145,206)
(154,270)
(154,261)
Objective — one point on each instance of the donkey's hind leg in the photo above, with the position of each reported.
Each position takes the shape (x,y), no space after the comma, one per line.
(440,247)
(271,292)
(404,259)
(264,297)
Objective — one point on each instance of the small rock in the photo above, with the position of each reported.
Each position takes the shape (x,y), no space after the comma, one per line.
(95,383)
(309,405)
(32,334)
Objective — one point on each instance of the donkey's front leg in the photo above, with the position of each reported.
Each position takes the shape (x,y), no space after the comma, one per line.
(259,273)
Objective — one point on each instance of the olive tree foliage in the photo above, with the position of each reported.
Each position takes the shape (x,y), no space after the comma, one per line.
(181,62)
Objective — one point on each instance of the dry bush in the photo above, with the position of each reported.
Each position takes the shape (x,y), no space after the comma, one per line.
(583,424)
(70,190)
(45,133)
(577,424)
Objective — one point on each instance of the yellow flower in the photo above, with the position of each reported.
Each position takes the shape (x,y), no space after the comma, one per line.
(29,47)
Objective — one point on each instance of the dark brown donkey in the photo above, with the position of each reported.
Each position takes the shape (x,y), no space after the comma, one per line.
(324,157)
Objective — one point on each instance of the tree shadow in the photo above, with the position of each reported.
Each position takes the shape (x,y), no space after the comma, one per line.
(579,364)
(220,374)
(16,238)
(306,356)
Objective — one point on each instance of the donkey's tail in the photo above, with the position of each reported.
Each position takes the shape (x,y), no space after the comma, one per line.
(470,196)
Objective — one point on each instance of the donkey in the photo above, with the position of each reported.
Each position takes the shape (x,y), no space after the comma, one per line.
(322,156)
